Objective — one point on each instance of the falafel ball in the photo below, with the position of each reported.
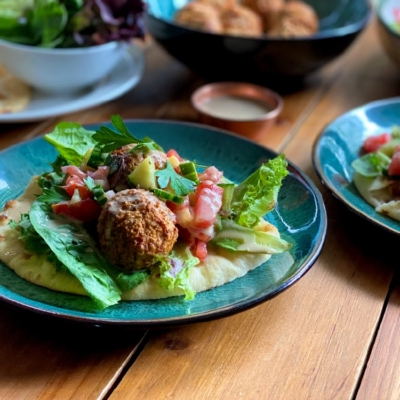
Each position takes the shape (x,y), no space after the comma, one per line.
(266,9)
(200,16)
(295,19)
(219,4)
(133,227)
(126,159)
(241,21)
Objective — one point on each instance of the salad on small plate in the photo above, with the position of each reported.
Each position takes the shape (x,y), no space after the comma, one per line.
(357,159)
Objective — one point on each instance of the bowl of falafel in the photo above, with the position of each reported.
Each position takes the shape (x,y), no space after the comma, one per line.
(259,41)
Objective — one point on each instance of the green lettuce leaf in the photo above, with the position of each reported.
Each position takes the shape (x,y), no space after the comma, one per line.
(76,250)
(174,270)
(72,141)
(257,195)
(235,237)
(371,165)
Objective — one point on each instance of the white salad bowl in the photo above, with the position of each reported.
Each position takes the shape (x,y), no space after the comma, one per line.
(58,70)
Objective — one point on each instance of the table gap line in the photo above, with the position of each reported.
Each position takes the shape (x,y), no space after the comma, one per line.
(124,368)
(375,334)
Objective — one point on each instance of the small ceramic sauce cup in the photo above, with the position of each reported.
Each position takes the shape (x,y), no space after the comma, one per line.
(243,108)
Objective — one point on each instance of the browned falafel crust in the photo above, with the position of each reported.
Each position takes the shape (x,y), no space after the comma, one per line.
(200,16)
(134,226)
(241,21)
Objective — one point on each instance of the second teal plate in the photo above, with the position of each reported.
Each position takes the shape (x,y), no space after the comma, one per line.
(339,145)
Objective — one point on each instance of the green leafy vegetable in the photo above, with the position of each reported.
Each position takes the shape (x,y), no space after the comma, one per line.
(372,164)
(70,23)
(257,195)
(235,237)
(33,241)
(72,141)
(97,190)
(168,176)
(70,244)
(109,140)
(174,270)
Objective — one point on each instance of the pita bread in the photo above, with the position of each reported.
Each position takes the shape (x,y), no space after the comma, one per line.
(378,192)
(220,266)
(15,95)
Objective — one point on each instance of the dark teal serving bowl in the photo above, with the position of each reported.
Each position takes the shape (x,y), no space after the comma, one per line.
(300,217)
(263,59)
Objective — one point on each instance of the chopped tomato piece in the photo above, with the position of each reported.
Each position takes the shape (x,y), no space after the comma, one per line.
(75,182)
(374,142)
(73,170)
(394,167)
(211,174)
(173,152)
(200,250)
(208,201)
(84,211)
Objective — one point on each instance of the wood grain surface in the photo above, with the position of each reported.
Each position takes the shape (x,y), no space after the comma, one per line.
(332,335)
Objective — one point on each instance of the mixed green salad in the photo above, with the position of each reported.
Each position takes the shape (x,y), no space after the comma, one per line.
(70,23)
(209,209)
(377,172)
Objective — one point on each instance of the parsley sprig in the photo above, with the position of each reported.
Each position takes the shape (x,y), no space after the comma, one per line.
(168,176)
(109,139)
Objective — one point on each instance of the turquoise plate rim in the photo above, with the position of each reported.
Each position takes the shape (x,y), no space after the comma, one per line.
(96,319)
(355,204)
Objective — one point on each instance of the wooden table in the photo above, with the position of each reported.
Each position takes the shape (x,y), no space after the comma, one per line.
(334,334)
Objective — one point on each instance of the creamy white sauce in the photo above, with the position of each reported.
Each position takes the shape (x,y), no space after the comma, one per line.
(235,108)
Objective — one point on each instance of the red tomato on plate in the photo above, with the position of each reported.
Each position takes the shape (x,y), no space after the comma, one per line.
(394,167)
(374,142)
(86,210)
(208,201)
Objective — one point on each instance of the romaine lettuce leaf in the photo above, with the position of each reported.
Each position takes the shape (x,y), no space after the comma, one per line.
(257,195)
(235,237)
(72,141)
(77,251)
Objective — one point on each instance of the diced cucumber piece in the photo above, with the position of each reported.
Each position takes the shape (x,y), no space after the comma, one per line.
(143,174)
(95,158)
(164,195)
(98,192)
(227,195)
(188,170)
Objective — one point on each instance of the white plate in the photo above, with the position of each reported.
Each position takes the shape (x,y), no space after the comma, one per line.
(123,78)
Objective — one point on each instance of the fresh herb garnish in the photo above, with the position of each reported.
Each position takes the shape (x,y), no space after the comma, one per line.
(168,176)
(109,140)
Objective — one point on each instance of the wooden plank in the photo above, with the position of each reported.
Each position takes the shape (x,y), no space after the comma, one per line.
(43,359)
(310,342)
(382,376)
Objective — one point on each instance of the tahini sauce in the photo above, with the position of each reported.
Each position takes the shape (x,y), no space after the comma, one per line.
(235,108)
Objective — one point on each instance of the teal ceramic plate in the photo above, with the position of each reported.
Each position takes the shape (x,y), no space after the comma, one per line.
(300,217)
(339,145)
